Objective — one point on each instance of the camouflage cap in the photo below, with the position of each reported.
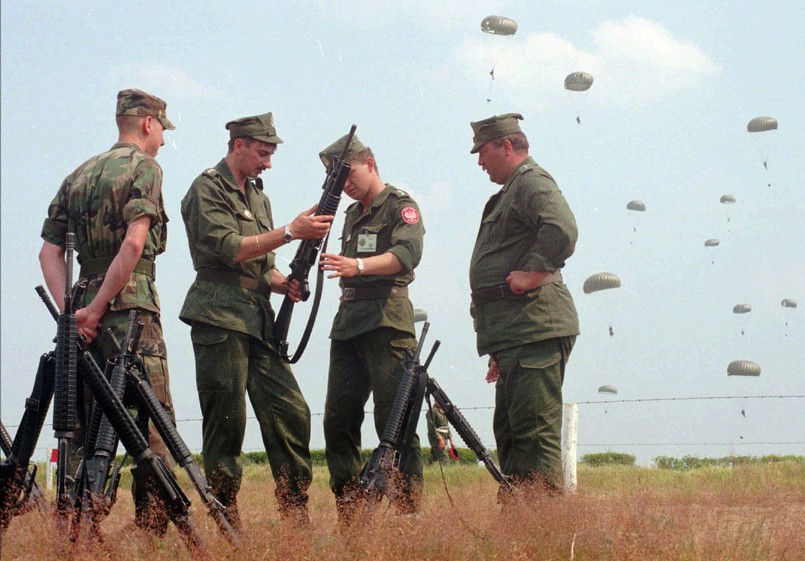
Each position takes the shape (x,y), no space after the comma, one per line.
(494,127)
(139,103)
(334,150)
(259,127)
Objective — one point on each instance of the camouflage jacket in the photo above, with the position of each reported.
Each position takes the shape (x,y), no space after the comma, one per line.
(97,202)
(526,226)
(391,224)
(217,217)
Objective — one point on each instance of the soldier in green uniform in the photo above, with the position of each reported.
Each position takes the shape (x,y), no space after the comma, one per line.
(524,315)
(381,245)
(439,434)
(232,240)
(113,204)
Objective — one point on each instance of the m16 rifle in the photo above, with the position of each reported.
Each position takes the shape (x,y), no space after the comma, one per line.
(307,256)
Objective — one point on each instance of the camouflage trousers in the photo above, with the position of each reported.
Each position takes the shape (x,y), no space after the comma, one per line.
(528,410)
(230,364)
(363,365)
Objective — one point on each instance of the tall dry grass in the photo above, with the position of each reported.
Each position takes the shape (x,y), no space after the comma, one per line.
(746,513)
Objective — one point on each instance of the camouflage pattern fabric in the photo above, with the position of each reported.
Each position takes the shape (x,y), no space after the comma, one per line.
(437,424)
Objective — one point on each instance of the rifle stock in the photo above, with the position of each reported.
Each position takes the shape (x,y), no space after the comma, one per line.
(308,252)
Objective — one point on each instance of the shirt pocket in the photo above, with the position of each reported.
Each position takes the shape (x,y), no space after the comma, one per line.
(372,240)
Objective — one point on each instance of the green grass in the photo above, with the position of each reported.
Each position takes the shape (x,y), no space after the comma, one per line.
(750,512)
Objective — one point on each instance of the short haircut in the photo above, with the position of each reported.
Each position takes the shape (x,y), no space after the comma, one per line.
(128,123)
(517,139)
(361,156)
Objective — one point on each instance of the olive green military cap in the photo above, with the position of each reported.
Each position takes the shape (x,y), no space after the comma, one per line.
(494,127)
(259,127)
(139,103)
(333,151)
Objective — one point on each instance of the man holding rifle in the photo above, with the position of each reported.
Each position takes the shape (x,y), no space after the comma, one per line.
(381,246)
(113,204)
(232,240)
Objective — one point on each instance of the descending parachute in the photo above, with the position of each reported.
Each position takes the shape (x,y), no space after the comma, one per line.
(788,303)
(499,25)
(578,82)
(608,389)
(741,309)
(711,242)
(727,199)
(420,315)
(743,368)
(762,124)
(636,205)
(601,281)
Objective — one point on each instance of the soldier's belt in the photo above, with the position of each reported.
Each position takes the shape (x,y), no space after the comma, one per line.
(373,293)
(100,265)
(230,277)
(503,291)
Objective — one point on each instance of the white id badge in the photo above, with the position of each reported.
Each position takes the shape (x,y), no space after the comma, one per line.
(367,243)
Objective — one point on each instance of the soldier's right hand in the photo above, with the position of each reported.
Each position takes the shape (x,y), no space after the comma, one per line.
(309,227)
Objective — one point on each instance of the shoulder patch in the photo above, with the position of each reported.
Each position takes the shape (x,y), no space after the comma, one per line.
(410,215)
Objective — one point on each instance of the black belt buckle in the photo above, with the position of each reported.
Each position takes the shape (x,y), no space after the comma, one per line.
(348,294)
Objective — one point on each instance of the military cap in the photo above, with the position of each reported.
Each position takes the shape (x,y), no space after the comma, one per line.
(259,127)
(494,127)
(334,150)
(139,103)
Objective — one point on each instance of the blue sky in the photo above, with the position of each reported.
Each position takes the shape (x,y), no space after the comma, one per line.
(664,122)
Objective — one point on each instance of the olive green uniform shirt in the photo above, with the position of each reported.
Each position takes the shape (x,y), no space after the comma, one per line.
(526,226)
(391,224)
(217,217)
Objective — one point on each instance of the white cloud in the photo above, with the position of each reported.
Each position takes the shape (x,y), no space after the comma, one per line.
(635,61)
(168,82)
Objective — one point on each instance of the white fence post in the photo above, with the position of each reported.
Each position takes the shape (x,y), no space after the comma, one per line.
(569,442)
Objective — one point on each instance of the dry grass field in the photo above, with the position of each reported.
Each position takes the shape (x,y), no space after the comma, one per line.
(753,512)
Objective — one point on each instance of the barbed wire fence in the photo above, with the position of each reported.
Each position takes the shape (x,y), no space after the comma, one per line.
(45,449)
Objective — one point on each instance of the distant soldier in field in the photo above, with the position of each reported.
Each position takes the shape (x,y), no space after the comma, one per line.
(113,204)
(439,434)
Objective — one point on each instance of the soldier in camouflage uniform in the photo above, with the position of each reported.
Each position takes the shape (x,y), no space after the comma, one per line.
(523,313)
(232,240)
(113,204)
(438,434)
(380,247)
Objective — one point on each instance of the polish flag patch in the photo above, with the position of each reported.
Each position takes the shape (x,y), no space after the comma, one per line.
(410,215)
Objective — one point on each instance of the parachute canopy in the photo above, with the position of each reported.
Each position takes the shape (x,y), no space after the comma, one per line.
(608,389)
(760,124)
(788,303)
(743,368)
(420,315)
(578,81)
(636,205)
(711,242)
(499,25)
(727,199)
(741,309)
(601,281)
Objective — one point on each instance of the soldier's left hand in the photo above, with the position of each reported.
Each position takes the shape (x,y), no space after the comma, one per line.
(293,290)
(340,265)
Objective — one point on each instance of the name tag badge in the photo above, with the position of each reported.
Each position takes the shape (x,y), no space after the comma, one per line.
(367,243)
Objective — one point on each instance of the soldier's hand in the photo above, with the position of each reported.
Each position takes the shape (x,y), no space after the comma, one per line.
(292,288)
(309,227)
(340,265)
(523,281)
(492,374)
(88,322)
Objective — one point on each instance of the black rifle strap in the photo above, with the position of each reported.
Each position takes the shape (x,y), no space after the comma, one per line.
(314,310)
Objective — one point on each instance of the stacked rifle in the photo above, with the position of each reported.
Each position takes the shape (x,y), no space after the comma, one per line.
(95,485)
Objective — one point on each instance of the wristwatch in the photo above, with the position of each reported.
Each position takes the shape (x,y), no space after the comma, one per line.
(361,267)
(288,236)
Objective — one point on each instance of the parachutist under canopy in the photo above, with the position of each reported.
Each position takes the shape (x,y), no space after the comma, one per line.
(611,331)
(578,119)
